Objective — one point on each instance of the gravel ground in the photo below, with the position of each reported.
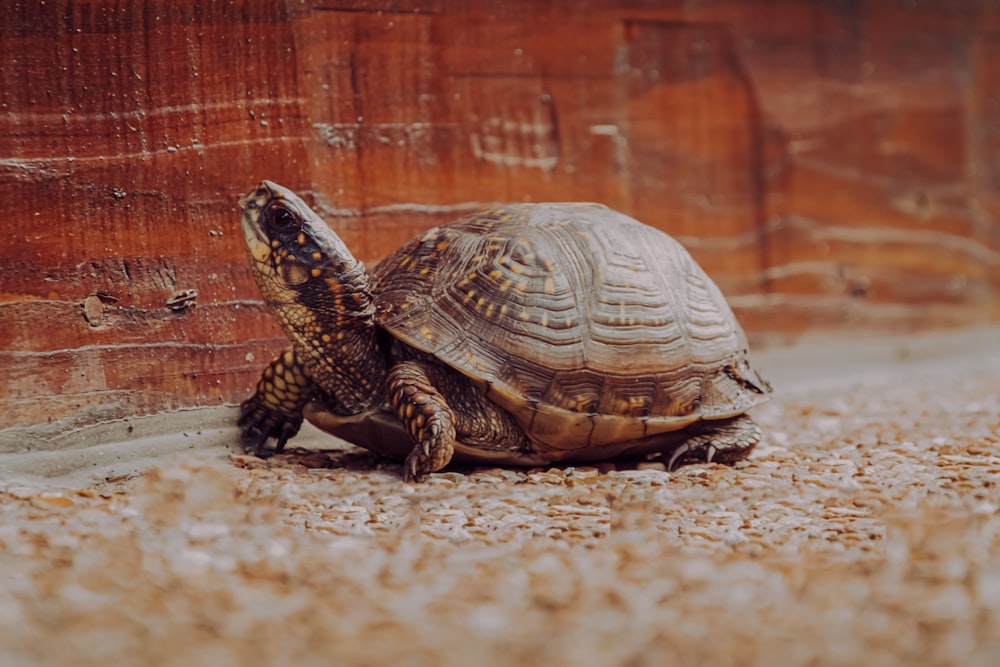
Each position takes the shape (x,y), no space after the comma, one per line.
(864,530)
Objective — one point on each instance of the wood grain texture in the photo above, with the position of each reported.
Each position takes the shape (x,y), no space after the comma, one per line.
(830,164)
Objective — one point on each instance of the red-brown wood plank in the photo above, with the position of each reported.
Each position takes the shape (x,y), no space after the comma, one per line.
(832,165)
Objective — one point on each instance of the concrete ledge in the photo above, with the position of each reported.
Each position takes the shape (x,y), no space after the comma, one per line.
(83,455)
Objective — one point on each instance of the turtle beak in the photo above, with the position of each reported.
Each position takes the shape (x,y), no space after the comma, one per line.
(253,233)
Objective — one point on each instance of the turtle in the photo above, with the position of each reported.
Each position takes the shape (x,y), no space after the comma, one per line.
(522,335)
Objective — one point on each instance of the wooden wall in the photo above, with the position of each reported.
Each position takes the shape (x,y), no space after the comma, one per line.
(834,165)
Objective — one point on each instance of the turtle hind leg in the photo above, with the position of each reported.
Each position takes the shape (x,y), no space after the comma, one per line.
(722,441)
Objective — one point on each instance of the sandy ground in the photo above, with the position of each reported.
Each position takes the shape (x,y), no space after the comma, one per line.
(865,530)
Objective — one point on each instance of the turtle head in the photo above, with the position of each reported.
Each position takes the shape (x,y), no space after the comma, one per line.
(297,259)
(289,244)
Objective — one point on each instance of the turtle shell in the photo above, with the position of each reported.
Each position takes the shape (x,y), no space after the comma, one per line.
(588,326)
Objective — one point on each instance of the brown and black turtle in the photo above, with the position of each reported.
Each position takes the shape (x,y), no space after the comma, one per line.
(525,335)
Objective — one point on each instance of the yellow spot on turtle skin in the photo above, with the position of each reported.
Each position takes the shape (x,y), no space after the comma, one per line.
(495,274)
(492,247)
(462,283)
(329,360)
(426,332)
(549,266)
(317,255)
(301,239)
(522,286)
(524,315)
(489,310)
(469,296)
(549,286)
(480,303)
(326,338)
(279,383)
(503,310)
(340,335)
(279,369)
(424,271)
(545,319)
(404,262)
(408,410)
(529,258)
(316,273)
(275,243)
(441,245)
(505,285)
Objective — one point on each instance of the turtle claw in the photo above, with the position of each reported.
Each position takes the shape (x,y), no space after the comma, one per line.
(688,448)
(411,470)
(678,453)
(260,447)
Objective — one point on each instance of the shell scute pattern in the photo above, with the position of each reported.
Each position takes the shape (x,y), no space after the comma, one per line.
(605,325)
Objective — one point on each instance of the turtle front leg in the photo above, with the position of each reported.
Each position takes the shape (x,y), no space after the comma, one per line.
(424,412)
(275,409)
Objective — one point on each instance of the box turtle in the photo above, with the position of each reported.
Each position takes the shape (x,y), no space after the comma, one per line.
(525,335)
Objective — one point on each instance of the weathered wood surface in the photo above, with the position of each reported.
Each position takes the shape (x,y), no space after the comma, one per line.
(832,165)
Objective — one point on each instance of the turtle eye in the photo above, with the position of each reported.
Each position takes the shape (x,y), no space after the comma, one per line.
(280,219)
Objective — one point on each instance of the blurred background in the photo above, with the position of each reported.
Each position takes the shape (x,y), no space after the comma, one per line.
(834,165)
